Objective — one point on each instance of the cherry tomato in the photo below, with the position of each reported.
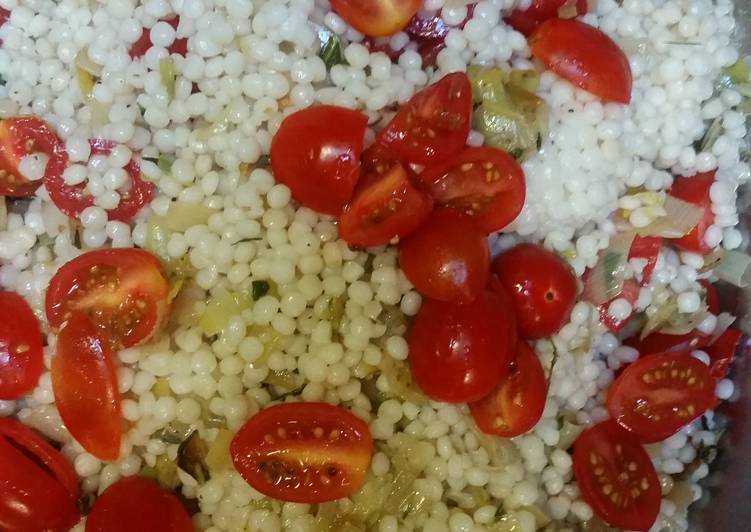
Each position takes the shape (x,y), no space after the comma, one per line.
(38,487)
(137,503)
(433,125)
(142,45)
(21,136)
(629,292)
(447,258)
(316,153)
(646,247)
(459,353)
(21,360)
(122,291)
(485,183)
(585,56)
(542,286)
(376,18)
(526,21)
(616,477)
(658,342)
(695,189)
(659,393)
(516,405)
(384,207)
(722,351)
(711,297)
(73,199)
(303,452)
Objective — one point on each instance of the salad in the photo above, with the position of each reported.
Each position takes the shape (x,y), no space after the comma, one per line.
(324,265)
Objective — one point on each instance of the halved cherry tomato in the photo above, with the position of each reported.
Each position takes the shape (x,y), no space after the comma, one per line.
(447,258)
(303,452)
(376,18)
(585,56)
(695,189)
(316,153)
(629,292)
(659,342)
(122,291)
(542,287)
(433,125)
(516,405)
(142,45)
(84,381)
(384,207)
(137,503)
(21,360)
(21,136)
(38,486)
(526,20)
(459,353)
(659,393)
(485,183)
(646,247)
(722,351)
(616,477)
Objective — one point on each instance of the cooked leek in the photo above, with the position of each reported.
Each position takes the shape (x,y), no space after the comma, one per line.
(734,268)
(182,216)
(222,308)
(218,458)
(168,76)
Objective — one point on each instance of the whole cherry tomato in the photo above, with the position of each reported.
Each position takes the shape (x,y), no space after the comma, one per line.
(21,360)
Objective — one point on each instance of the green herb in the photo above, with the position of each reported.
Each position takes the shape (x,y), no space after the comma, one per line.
(332,53)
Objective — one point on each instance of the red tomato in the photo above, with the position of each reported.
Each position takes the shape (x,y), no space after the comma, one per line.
(629,292)
(585,56)
(122,291)
(722,351)
(616,477)
(316,153)
(659,342)
(433,125)
(38,487)
(526,21)
(659,393)
(485,183)
(21,360)
(137,503)
(142,45)
(711,297)
(516,405)
(542,286)
(384,207)
(376,18)
(447,258)
(695,189)
(459,353)
(21,136)
(303,452)
(646,247)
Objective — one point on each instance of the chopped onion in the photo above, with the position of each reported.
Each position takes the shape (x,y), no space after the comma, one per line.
(167,76)
(734,268)
(724,321)
(680,323)
(680,218)
(181,216)
(712,260)
(605,280)
(84,62)
(568,9)
(659,318)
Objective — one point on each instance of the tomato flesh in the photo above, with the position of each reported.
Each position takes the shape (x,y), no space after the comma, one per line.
(647,248)
(629,292)
(459,353)
(516,405)
(303,452)
(616,477)
(447,258)
(376,18)
(122,291)
(21,360)
(585,56)
(722,351)
(660,393)
(142,45)
(695,189)
(485,183)
(526,20)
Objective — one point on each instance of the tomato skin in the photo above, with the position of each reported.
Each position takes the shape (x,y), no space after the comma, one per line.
(597,449)
(463,183)
(526,21)
(433,125)
(542,287)
(722,351)
(376,18)
(585,56)
(279,452)
(459,353)
(320,163)
(646,247)
(84,382)
(21,358)
(659,342)
(137,503)
(653,398)
(629,292)
(142,45)
(712,298)
(516,405)
(695,189)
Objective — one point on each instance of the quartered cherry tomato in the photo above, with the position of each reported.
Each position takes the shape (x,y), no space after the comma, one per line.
(695,189)
(447,258)
(122,291)
(142,45)
(38,486)
(433,125)
(376,18)
(526,20)
(21,136)
(137,503)
(722,351)
(616,477)
(316,153)
(303,452)
(629,292)
(21,360)
(542,287)
(647,248)
(485,183)
(384,207)
(585,56)
(516,405)
(459,353)
(659,393)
